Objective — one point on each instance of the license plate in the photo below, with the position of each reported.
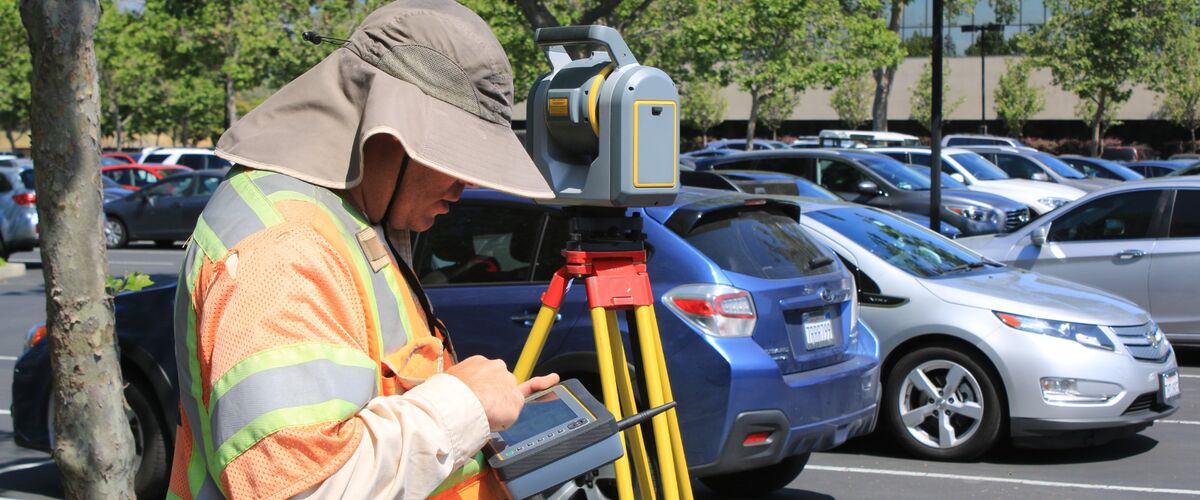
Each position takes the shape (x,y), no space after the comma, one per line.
(1170,385)
(818,331)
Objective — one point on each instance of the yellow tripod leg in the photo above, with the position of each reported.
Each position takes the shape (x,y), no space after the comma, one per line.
(647,331)
(608,382)
(537,340)
(641,461)
(681,469)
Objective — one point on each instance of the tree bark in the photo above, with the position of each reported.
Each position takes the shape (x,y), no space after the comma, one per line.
(884,77)
(754,99)
(94,447)
(1097,123)
(12,140)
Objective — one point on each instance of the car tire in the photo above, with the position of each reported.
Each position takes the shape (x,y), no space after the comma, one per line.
(4,253)
(164,243)
(973,411)
(115,233)
(758,482)
(151,443)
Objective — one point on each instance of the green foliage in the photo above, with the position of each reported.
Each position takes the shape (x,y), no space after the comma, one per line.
(1016,100)
(132,282)
(702,106)
(851,99)
(15,69)
(776,107)
(1098,49)
(771,46)
(1178,82)
(1085,110)
(921,100)
(921,45)
(993,43)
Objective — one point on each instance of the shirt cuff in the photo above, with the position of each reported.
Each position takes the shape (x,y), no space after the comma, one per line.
(458,410)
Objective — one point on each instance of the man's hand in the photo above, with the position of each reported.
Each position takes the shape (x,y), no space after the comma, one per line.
(497,388)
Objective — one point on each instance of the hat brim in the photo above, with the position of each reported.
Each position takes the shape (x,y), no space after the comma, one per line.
(315,126)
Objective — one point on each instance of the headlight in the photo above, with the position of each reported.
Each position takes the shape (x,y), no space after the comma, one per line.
(1053,202)
(1088,335)
(974,213)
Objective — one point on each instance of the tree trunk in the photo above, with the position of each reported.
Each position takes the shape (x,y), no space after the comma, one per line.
(884,77)
(1097,123)
(1195,149)
(12,140)
(754,98)
(230,103)
(94,447)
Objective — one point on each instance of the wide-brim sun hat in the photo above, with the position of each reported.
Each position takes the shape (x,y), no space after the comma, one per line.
(428,72)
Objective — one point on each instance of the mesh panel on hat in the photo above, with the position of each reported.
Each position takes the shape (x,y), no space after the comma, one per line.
(435,74)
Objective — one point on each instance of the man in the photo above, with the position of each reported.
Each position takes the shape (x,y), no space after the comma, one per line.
(310,364)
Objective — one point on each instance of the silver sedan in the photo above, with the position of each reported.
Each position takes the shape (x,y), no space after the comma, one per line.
(973,350)
(1139,240)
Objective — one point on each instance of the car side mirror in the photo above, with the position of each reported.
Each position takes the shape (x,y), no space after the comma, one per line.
(1040,176)
(868,188)
(958,177)
(1040,235)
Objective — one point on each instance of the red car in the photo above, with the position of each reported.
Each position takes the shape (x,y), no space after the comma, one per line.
(108,159)
(136,176)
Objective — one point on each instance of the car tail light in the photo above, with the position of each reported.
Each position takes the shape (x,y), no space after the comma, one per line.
(716,310)
(24,198)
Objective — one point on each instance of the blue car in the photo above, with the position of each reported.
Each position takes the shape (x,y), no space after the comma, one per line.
(1099,167)
(759,324)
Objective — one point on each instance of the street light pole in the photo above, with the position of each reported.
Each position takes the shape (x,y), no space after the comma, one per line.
(982,29)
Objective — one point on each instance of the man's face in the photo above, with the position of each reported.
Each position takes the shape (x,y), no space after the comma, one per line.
(424,194)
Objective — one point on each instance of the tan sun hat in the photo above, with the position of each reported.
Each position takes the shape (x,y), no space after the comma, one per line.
(429,72)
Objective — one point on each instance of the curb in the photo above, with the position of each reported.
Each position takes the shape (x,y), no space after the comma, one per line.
(11,270)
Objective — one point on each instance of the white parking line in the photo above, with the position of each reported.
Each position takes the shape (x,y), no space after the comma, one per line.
(5,412)
(31,465)
(1028,482)
(1189,376)
(8,358)
(1186,422)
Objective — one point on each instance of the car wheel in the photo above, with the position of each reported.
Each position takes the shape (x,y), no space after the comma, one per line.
(115,235)
(150,444)
(758,482)
(942,404)
(4,253)
(600,484)
(164,243)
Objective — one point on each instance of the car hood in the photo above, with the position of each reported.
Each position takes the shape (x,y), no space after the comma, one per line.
(1031,294)
(980,198)
(1092,184)
(1021,189)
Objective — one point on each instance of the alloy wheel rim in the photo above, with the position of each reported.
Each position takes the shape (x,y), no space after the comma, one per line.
(595,485)
(112,232)
(941,404)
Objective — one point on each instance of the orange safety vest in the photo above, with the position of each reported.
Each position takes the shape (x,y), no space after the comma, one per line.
(267,400)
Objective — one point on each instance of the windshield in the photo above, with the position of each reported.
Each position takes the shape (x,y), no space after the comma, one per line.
(1059,167)
(109,183)
(760,243)
(912,248)
(947,181)
(895,173)
(979,167)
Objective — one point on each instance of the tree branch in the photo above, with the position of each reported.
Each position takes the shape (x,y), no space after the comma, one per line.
(537,14)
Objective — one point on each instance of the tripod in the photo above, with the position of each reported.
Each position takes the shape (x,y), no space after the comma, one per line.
(606,249)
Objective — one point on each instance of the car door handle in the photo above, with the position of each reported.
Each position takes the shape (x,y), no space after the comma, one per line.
(527,318)
(1130,254)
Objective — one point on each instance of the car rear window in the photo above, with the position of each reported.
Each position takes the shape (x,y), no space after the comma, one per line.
(759,243)
(27,179)
(159,158)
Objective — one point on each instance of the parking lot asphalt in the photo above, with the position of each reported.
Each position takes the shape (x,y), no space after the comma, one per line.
(1159,462)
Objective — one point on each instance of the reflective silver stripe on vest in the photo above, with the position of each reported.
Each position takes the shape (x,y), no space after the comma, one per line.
(230,217)
(395,335)
(301,384)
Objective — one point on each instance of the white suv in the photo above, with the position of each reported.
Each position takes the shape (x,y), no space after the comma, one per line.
(196,158)
(981,175)
(980,140)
